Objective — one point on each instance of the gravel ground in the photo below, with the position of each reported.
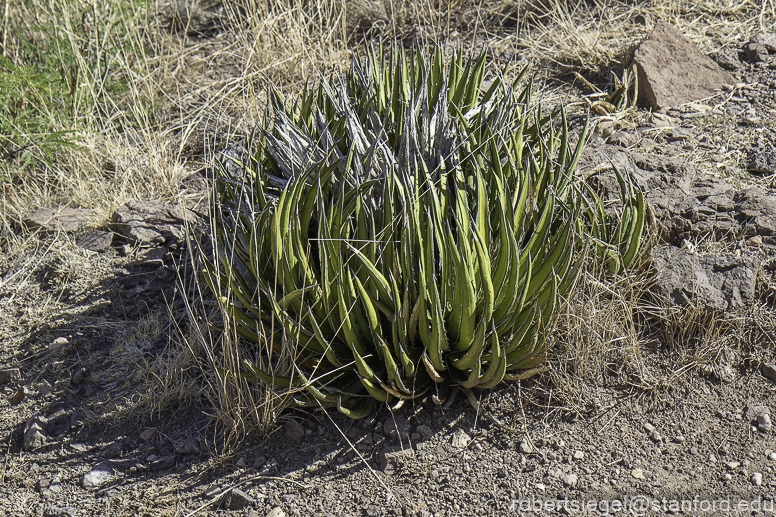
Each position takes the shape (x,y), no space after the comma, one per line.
(674,434)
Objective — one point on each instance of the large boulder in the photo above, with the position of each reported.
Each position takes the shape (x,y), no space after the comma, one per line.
(673,71)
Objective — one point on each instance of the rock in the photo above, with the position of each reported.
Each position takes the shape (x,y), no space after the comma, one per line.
(649,427)
(259,462)
(293,431)
(8,374)
(57,511)
(732,465)
(61,219)
(578,455)
(237,499)
(679,438)
(396,427)
(570,480)
(754,242)
(163,463)
(460,439)
(79,376)
(555,472)
(187,446)
(694,451)
(711,282)
(756,53)
(726,374)
(18,397)
(240,463)
(623,139)
(772,456)
(98,476)
(34,437)
(123,464)
(151,257)
(756,211)
(60,341)
(679,134)
(755,411)
(44,388)
(766,39)
(276,512)
(392,457)
(672,71)
(769,371)
(426,432)
(55,486)
(764,422)
(656,436)
(363,14)
(149,434)
(418,35)
(727,59)
(76,419)
(757,479)
(96,240)
(149,222)
(761,157)
(526,447)
(58,423)
(638,474)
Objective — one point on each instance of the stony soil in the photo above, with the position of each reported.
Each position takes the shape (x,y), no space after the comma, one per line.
(688,424)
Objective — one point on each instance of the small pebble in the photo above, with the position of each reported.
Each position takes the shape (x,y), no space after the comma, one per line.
(733,465)
(679,438)
(657,437)
(638,474)
(570,480)
(649,427)
(757,479)
(772,456)
(578,455)
(460,439)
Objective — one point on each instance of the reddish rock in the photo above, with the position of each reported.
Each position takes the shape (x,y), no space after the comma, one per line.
(673,71)
(34,437)
(149,434)
(59,219)
(149,222)
(18,396)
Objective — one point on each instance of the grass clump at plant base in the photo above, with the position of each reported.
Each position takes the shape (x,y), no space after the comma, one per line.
(403,226)
(63,70)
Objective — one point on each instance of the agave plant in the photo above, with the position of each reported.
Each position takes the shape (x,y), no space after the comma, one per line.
(400,226)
